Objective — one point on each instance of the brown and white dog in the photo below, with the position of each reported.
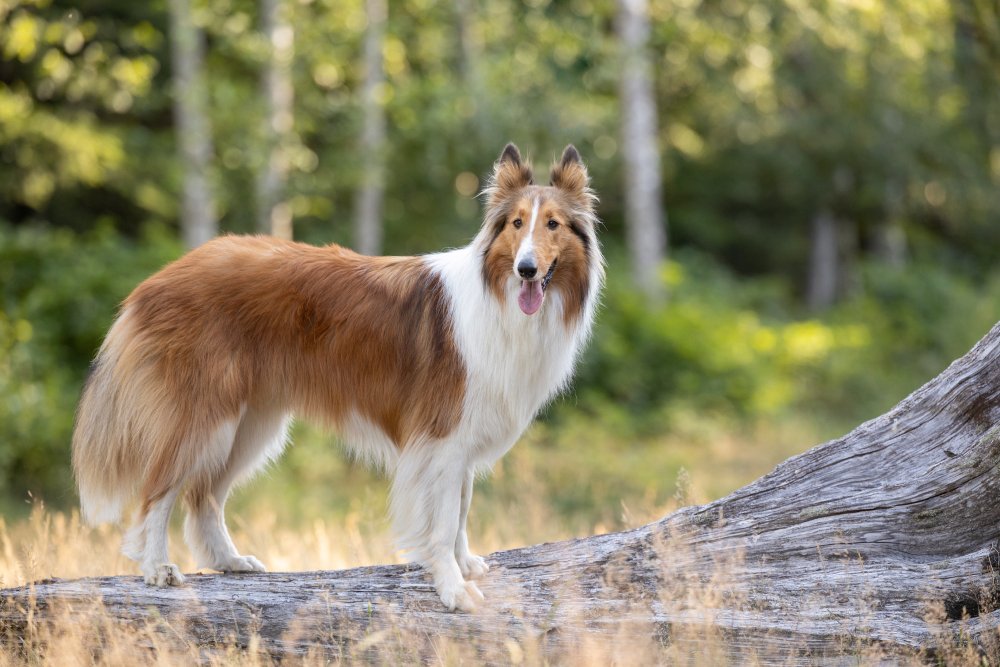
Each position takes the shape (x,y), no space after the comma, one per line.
(430,367)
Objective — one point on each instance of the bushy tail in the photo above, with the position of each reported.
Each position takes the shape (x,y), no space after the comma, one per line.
(105,460)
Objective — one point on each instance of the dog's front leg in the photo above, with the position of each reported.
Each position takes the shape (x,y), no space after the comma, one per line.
(454,590)
(426,506)
(471,565)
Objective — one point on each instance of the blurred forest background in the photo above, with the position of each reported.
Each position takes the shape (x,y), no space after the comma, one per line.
(801,198)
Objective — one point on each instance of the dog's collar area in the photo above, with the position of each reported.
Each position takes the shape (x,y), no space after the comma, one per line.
(548,276)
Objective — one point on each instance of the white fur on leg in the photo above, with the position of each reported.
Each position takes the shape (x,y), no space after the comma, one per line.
(207,537)
(259,438)
(471,565)
(426,490)
(146,541)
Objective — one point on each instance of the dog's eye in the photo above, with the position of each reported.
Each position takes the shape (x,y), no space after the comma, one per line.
(553,224)
(517,223)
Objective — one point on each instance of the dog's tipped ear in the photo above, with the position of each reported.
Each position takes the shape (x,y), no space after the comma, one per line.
(510,173)
(569,173)
(510,154)
(570,155)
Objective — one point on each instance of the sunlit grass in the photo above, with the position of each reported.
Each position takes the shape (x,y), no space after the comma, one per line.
(315,511)
(50,543)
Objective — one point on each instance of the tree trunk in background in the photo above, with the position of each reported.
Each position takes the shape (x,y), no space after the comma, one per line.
(468,63)
(194,139)
(821,290)
(368,204)
(274,214)
(977,68)
(880,547)
(645,219)
(890,237)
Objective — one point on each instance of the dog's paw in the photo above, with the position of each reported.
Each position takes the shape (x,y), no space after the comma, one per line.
(462,596)
(473,590)
(163,575)
(472,566)
(240,564)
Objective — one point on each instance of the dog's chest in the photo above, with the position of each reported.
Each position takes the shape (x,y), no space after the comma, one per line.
(515,362)
(515,366)
(525,363)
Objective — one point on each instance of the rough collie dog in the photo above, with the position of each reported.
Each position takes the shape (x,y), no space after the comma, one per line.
(428,366)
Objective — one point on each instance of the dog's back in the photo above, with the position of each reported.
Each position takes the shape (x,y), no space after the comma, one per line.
(252,324)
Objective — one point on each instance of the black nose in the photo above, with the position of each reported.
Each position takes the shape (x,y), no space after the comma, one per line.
(527,269)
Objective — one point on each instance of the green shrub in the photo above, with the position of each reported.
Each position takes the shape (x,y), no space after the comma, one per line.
(738,349)
(723,353)
(59,292)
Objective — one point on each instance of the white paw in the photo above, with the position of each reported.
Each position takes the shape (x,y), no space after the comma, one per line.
(474,592)
(163,575)
(472,566)
(240,564)
(461,595)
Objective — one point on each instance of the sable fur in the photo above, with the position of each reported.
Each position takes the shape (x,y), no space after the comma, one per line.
(424,364)
(229,323)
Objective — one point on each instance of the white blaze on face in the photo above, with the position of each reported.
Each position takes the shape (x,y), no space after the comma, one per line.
(530,296)
(527,249)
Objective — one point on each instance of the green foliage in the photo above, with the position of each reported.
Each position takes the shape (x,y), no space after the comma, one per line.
(58,294)
(917,322)
(726,353)
(769,111)
(709,349)
(738,349)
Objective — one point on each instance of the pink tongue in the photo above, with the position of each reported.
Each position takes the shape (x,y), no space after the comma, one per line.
(530,296)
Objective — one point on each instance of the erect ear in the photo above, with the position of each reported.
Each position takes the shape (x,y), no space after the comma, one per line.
(569,173)
(510,173)
(510,154)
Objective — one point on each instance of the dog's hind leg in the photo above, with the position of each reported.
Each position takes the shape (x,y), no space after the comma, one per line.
(146,542)
(171,470)
(259,438)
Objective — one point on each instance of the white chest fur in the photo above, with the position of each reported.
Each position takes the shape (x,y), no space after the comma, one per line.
(515,362)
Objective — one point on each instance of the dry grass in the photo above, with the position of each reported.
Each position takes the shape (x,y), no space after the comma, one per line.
(280,520)
(56,544)
(51,544)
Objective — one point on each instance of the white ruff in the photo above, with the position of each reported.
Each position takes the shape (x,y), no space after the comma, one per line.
(515,363)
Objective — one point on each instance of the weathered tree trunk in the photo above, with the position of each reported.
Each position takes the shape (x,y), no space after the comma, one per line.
(645,219)
(274,215)
(368,203)
(194,138)
(884,541)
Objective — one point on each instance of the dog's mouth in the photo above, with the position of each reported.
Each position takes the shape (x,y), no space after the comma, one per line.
(533,291)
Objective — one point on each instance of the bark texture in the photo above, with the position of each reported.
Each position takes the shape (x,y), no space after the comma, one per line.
(883,540)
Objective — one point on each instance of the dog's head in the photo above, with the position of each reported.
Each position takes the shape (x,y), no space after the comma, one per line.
(540,237)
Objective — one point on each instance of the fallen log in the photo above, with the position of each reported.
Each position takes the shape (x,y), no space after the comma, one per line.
(882,543)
